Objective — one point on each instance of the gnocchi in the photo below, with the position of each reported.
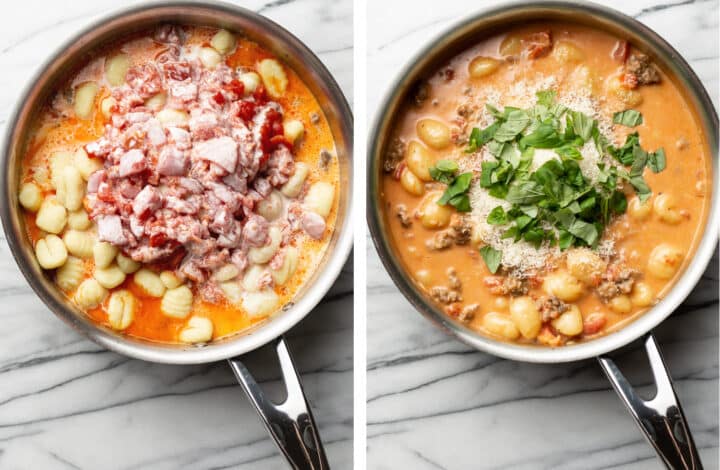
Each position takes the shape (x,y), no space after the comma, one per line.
(121,309)
(149,282)
(156,102)
(418,160)
(85,165)
(104,254)
(287,268)
(253,279)
(260,303)
(107,105)
(127,265)
(567,52)
(642,295)
(665,207)
(70,274)
(78,220)
(434,133)
(116,68)
(293,130)
(223,41)
(51,252)
(177,302)
(271,207)
(79,243)
(172,117)
(170,280)
(273,77)
(620,304)
(250,81)
(85,99)
(52,216)
(265,253)
(481,67)
(197,330)
(665,259)
(639,210)
(570,322)
(320,198)
(525,315)
(90,294)
(232,291)
(72,189)
(585,265)
(209,57)
(500,325)
(411,183)
(58,162)
(30,197)
(226,273)
(109,277)
(563,285)
(433,215)
(295,183)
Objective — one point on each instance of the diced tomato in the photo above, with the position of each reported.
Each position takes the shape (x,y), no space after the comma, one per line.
(237,87)
(105,193)
(594,323)
(620,51)
(629,80)
(399,170)
(538,44)
(157,239)
(260,94)
(246,110)
(219,98)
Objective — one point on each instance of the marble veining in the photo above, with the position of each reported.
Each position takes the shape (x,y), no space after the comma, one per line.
(434,403)
(66,403)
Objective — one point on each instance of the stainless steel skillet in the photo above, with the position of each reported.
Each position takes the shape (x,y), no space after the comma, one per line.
(660,418)
(290,423)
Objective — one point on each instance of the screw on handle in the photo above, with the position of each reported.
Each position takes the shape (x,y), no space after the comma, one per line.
(290,423)
(661,418)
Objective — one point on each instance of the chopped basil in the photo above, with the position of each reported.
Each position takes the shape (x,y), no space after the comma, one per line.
(629,118)
(456,193)
(656,160)
(545,136)
(444,171)
(478,137)
(515,123)
(492,258)
(497,216)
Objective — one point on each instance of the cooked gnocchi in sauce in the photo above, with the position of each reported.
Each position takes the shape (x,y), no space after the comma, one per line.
(181,186)
(547,185)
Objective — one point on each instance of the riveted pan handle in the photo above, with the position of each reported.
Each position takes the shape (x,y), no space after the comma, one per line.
(661,419)
(290,423)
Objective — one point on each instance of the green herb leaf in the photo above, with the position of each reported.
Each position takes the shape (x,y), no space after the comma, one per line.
(497,216)
(584,231)
(545,136)
(525,192)
(565,240)
(444,171)
(656,160)
(492,258)
(582,125)
(517,121)
(478,137)
(629,118)
(459,186)
(461,203)
(568,151)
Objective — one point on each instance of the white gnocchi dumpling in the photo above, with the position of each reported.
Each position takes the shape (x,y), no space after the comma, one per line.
(260,303)
(250,81)
(226,273)
(52,216)
(288,267)
(664,261)
(273,77)
(173,118)
(78,220)
(79,243)
(570,322)
(71,190)
(265,253)
(209,57)
(320,197)
(271,207)
(666,208)
(70,274)
(109,277)
(127,264)
(500,325)
(156,102)
(294,184)
(57,162)
(30,197)
(585,264)
(107,105)
(149,282)
(85,99)
(177,302)
(104,254)
(170,280)
(293,130)
(116,68)
(563,285)
(525,315)
(233,292)
(90,294)
(121,309)
(223,41)
(253,276)
(51,252)
(197,330)
(86,165)
(434,133)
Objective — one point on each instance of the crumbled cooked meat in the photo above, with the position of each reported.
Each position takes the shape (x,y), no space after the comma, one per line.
(401,212)
(550,307)
(682,143)
(640,66)
(504,285)
(325,158)
(448,74)
(394,155)
(314,118)
(455,282)
(461,229)
(616,280)
(468,312)
(445,295)
(440,240)
(549,337)
(422,92)
(538,44)
(465,110)
(629,80)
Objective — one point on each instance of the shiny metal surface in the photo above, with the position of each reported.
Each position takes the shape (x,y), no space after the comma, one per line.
(675,446)
(471,30)
(290,423)
(661,418)
(74,53)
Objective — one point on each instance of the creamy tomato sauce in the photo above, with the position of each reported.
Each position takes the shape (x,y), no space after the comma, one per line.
(202,295)
(642,251)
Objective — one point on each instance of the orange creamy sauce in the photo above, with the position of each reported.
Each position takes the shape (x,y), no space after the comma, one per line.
(667,118)
(56,132)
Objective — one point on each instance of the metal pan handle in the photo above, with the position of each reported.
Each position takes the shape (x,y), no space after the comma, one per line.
(661,419)
(290,423)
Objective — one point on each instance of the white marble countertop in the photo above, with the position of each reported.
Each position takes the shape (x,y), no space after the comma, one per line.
(434,403)
(66,403)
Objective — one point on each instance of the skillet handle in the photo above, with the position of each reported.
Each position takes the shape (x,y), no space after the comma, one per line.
(290,423)
(661,419)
